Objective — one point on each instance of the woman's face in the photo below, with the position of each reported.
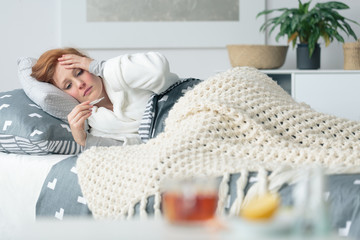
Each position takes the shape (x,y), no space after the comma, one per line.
(78,83)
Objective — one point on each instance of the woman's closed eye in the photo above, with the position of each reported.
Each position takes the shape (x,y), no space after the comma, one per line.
(68,86)
(79,72)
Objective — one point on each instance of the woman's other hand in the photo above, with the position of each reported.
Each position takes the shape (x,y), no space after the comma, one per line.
(77,118)
(75,61)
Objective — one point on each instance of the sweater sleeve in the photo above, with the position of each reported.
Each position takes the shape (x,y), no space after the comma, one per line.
(145,71)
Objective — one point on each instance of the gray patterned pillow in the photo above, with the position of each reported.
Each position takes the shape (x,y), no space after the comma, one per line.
(26,129)
(51,99)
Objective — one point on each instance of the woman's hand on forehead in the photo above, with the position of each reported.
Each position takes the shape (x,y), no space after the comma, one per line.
(75,61)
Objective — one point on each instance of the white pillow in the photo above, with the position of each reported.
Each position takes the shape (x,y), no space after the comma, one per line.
(50,98)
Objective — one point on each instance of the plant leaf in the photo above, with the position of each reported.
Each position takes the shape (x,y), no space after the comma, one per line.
(332,5)
(293,37)
(326,38)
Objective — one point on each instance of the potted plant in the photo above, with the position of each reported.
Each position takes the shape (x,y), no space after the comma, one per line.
(307,26)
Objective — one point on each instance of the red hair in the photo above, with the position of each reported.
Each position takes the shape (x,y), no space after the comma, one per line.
(44,69)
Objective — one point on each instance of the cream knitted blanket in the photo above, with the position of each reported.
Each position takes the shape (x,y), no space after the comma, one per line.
(236,121)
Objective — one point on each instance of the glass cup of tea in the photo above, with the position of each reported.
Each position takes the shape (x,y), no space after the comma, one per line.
(190,199)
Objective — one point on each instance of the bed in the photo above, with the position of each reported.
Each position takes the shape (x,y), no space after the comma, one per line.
(29,193)
(22,177)
(39,177)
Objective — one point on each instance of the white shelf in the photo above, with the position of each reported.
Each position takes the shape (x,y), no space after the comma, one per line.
(334,92)
(319,71)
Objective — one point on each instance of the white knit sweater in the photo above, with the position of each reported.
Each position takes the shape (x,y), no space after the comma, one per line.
(236,121)
(130,80)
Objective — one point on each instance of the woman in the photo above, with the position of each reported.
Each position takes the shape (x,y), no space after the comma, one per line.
(123,85)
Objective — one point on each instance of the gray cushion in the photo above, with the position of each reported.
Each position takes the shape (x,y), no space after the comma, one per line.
(26,129)
(51,99)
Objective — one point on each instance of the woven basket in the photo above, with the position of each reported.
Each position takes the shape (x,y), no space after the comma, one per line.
(352,55)
(258,56)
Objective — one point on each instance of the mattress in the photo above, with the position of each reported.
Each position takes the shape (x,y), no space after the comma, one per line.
(21,180)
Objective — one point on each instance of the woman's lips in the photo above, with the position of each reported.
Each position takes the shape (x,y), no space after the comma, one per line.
(87,91)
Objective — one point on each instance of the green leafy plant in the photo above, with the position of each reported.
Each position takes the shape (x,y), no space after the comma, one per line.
(309,25)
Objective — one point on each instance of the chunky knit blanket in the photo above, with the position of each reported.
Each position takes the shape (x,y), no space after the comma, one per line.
(237,121)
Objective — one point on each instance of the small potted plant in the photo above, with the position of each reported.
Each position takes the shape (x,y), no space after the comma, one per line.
(307,26)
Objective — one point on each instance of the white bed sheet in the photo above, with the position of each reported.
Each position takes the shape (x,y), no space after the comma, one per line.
(21,180)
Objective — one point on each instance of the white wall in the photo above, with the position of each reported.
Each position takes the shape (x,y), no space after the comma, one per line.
(28,28)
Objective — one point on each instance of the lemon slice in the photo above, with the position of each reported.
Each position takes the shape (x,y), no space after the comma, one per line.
(262,207)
